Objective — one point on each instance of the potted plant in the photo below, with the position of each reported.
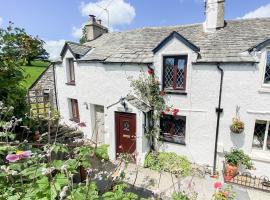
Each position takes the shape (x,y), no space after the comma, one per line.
(233,159)
(237,125)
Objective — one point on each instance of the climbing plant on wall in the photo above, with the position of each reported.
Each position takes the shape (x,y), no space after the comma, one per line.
(147,88)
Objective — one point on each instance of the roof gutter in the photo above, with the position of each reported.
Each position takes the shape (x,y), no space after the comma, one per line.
(219,110)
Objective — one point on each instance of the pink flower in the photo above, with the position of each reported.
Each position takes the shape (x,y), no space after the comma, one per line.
(12,157)
(218,185)
(19,155)
(26,154)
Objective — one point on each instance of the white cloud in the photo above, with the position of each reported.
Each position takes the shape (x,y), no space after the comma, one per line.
(1,21)
(77,32)
(54,47)
(263,11)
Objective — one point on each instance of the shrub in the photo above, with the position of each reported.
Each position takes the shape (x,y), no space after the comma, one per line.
(169,162)
(179,196)
(237,156)
(102,152)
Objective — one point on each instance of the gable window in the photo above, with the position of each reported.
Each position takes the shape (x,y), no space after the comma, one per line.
(173,129)
(70,71)
(261,138)
(74,112)
(267,69)
(174,72)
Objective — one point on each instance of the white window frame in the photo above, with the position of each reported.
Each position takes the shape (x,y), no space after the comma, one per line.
(264,62)
(265,137)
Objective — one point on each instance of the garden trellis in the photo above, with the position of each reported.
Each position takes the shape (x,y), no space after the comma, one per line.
(40,102)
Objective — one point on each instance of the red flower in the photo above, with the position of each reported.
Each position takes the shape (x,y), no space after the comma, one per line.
(162,113)
(218,185)
(168,109)
(150,71)
(176,110)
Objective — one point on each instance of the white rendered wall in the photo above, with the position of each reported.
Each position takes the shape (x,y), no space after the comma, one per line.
(96,84)
(104,84)
(242,87)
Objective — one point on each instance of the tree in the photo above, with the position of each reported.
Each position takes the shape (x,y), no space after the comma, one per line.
(83,39)
(33,48)
(12,92)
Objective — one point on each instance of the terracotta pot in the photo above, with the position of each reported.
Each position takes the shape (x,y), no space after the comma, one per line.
(231,171)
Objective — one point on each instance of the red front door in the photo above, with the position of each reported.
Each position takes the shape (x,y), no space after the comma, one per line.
(125,132)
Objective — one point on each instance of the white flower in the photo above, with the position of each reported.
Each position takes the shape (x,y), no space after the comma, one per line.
(63,168)
(3,167)
(14,173)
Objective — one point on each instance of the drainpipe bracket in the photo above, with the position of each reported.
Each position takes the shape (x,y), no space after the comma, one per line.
(219,110)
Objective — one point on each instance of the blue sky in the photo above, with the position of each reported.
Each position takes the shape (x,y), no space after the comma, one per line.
(59,20)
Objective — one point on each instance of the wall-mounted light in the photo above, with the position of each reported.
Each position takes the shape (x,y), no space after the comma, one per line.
(86,105)
(123,103)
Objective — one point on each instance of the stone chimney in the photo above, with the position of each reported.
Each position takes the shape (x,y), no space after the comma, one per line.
(214,12)
(94,28)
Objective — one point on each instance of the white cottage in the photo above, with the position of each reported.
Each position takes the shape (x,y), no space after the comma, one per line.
(211,72)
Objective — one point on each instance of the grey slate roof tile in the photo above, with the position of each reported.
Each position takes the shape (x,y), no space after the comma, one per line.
(225,45)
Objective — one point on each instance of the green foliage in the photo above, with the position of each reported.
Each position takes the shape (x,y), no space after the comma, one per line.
(147,88)
(83,39)
(169,162)
(102,152)
(180,196)
(119,193)
(237,156)
(12,54)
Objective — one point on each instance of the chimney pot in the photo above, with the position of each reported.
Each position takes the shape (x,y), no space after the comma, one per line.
(99,21)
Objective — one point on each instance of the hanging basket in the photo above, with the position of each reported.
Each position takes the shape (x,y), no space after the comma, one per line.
(237,126)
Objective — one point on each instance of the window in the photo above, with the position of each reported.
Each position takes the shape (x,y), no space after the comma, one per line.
(173,129)
(174,72)
(267,69)
(261,138)
(70,70)
(74,110)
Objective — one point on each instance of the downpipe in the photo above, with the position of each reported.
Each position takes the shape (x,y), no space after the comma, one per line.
(219,110)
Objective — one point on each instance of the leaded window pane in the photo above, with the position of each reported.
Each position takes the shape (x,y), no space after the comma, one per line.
(174,72)
(168,72)
(173,129)
(267,69)
(268,139)
(180,73)
(259,134)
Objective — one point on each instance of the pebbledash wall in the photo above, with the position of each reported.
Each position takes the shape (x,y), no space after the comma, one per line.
(104,84)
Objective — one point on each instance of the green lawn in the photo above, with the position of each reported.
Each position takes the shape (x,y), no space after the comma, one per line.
(33,72)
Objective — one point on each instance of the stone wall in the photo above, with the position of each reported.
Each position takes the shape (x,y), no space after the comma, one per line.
(46,82)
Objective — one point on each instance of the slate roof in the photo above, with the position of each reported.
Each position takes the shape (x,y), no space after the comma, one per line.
(137,103)
(75,48)
(225,45)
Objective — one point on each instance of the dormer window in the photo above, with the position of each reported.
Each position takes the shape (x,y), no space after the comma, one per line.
(70,71)
(267,69)
(174,73)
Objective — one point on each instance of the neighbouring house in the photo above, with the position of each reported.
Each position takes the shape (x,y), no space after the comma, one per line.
(212,72)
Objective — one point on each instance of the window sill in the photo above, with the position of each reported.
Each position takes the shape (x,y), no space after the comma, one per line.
(180,92)
(260,155)
(71,83)
(171,141)
(75,120)
(264,90)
